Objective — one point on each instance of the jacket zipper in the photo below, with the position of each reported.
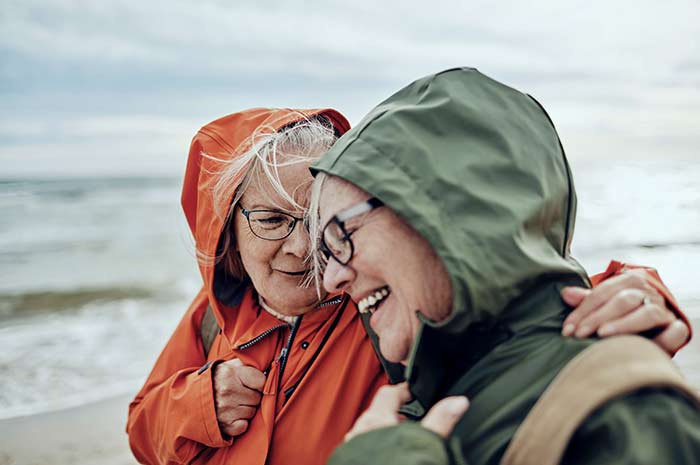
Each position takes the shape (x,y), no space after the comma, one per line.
(266,333)
(333,301)
(285,350)
(261,336)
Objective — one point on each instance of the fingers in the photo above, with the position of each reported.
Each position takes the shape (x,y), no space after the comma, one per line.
(620,304)
(673,337)
(236,395)
(445,414)
(616,296)
(236,428)
(642,318)
(243,382)
(251,377)
(574,295)
(241,412)
(390,398)
(383,411)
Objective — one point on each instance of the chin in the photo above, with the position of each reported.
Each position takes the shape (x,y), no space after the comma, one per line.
(305,300)
(393,353)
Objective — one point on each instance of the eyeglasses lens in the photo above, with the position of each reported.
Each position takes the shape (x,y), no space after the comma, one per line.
(270,225)
(337,242)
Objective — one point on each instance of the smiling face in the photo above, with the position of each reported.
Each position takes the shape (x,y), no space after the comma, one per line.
(277,267)
(393,273)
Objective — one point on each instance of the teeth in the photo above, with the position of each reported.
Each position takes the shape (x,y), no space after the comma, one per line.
(362,306)
(369,303)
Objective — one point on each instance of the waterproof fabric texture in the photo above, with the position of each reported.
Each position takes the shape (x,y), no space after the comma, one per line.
(331,371)
(478,170)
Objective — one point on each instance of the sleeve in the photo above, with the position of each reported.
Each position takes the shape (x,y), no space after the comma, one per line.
(649,427)
(405,444)
(173,417)
(616,268)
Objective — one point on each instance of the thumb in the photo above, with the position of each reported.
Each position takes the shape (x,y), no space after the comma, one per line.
(444,415)
(573,296)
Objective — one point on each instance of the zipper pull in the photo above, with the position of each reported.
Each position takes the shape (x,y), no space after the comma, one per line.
(283,354)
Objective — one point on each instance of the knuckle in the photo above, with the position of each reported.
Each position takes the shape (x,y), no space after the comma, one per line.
(636,278)
(681,329)
(243,412)
(630,298)
(238,427)
(656,313)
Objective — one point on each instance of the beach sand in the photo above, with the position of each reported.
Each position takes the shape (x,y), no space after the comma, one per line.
(94,434)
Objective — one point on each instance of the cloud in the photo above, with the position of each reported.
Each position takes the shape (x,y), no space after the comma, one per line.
(73,70)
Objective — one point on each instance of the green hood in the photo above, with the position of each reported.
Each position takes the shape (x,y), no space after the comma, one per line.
(477,168)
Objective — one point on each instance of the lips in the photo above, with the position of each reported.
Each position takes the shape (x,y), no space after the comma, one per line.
(373,300)
(293,273)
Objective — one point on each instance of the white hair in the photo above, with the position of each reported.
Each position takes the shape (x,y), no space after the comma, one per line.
(268,150)
(301,142)
(316,260)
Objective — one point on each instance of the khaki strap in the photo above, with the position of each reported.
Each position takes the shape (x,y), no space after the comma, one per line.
(208,330)
(608,369)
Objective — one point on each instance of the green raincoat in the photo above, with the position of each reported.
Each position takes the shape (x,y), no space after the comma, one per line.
(477,168)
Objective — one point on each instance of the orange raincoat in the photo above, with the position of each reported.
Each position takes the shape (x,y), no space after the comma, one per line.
(331,372)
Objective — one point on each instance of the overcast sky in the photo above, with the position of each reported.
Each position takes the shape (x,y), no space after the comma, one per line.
(121,86)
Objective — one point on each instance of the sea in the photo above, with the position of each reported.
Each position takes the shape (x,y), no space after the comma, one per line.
(96,272)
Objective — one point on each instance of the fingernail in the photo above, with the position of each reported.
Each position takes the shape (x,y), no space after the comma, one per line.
(568,330)
(606,330)
(583,331)
(458,405)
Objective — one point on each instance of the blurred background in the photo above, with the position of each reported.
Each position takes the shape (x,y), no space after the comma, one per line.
(101,99)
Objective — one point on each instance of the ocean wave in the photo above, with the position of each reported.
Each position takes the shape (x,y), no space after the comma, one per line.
(661,245)
(596,247)
(31,303)
(57,360)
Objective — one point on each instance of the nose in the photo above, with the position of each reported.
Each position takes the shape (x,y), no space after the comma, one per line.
(297,243)
(337,277)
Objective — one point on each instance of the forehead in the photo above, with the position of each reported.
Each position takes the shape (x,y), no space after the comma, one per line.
(295,179)
(337,195)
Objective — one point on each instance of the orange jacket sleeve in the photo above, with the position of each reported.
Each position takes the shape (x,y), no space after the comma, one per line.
(173,417)
(615,268)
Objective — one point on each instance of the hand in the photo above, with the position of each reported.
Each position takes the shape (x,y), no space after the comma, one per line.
(236,395)
(624,304)
(383,411)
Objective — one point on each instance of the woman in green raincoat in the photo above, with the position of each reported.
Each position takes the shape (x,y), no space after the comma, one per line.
(447,214)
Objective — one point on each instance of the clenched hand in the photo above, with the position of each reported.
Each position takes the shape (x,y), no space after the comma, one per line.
(237,394)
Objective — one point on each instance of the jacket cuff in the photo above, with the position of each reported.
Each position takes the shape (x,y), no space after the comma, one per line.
(407,443)
(208,408)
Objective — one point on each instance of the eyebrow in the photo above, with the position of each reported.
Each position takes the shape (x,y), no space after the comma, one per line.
(264,207)
(358,209)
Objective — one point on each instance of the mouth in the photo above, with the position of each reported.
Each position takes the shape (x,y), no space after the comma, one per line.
(293,273)
(374,300)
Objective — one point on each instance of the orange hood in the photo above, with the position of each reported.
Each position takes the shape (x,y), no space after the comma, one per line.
(224,140)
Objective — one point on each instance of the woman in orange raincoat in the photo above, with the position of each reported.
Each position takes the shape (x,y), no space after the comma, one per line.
(287,373)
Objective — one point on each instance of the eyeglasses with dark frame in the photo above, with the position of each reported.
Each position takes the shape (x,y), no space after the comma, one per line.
(270,225)
(335,238)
